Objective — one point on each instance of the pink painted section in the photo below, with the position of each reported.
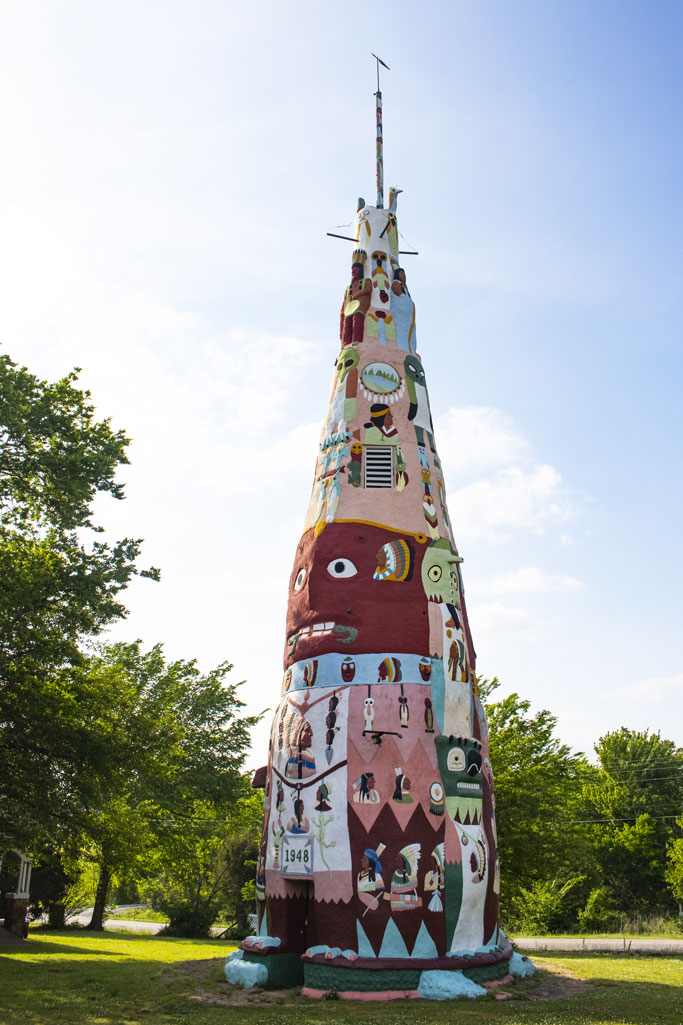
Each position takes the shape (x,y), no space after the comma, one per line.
(351,994)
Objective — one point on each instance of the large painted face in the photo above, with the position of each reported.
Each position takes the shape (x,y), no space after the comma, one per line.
(337,604)
(460,764)
(347,360)
(440,577)
(414,369)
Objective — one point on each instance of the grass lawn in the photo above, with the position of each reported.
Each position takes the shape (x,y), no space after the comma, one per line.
(80,978)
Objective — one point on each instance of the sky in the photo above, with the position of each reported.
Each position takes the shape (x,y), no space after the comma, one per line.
(169,173)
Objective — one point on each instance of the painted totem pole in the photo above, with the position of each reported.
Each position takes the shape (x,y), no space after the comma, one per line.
(378,871)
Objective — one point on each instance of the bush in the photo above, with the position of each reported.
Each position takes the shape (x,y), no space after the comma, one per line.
(187,920)
(543,908)
(599,914)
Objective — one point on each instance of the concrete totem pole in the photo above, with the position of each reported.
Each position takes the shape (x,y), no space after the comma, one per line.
(378,871)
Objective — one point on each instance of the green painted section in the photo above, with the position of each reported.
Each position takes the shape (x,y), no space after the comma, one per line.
(362,980)
(488,972)
(452,898)
(284,970)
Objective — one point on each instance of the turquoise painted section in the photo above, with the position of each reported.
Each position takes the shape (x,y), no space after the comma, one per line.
(331,670)
(393,944)
(244,973)
(445,985)
(438,683)
(424,944)
(521,966)
(364,945)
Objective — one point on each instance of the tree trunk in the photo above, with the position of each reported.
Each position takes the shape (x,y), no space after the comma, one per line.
(96,922)
(55,916)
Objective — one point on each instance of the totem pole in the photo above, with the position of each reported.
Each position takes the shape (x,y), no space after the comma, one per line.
(378,872)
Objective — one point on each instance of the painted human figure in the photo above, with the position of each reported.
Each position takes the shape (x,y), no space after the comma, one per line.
(402,785)
(369,883)
(403,312)
(380,429)
(301,762)
(404,880)
(434,880)
(364,790)
(429,716)
(321,796)
(298,823)
(356,304)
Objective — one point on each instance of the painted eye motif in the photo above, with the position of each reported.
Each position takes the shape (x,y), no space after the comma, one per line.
(456,760)
(341,568)
(434,573)
(300,578)
(436,792)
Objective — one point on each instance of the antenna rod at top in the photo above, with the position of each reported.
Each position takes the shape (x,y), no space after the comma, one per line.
(380,140)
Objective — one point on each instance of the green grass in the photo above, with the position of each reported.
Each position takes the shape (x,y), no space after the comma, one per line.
(80,978)
(139,915)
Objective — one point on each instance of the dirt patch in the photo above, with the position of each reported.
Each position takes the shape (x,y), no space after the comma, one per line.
(552,983)
(557,983)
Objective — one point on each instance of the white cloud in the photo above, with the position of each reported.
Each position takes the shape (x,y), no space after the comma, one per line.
(511,499)
(500,486)
(527,579)
(476,438)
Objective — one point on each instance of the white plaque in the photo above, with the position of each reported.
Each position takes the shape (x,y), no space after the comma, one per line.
(296,856)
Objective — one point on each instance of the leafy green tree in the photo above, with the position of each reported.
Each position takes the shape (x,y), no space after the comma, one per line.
(176,742)
(203,866)
(538,784)
(674,867)
(238,859)
(634,801)
(61,586)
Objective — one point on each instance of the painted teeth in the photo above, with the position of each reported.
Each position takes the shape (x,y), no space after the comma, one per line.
(468,786)
(317,630)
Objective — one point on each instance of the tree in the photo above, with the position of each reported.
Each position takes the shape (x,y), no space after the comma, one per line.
(538,783)
(208,865)
(61,585)
(634,801)
(176,743)
(674,867)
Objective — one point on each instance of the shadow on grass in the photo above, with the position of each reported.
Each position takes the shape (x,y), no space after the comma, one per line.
(76,989)
(48,947)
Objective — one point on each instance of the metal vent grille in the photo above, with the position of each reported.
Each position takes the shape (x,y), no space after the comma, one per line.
(379,467)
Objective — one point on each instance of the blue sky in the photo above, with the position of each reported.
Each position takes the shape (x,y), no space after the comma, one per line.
(169,173)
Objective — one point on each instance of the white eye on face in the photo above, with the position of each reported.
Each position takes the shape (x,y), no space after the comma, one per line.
(456,760)
(300,578)
(341,568)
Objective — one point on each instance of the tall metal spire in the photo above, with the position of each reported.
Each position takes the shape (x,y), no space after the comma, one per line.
(380,140)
